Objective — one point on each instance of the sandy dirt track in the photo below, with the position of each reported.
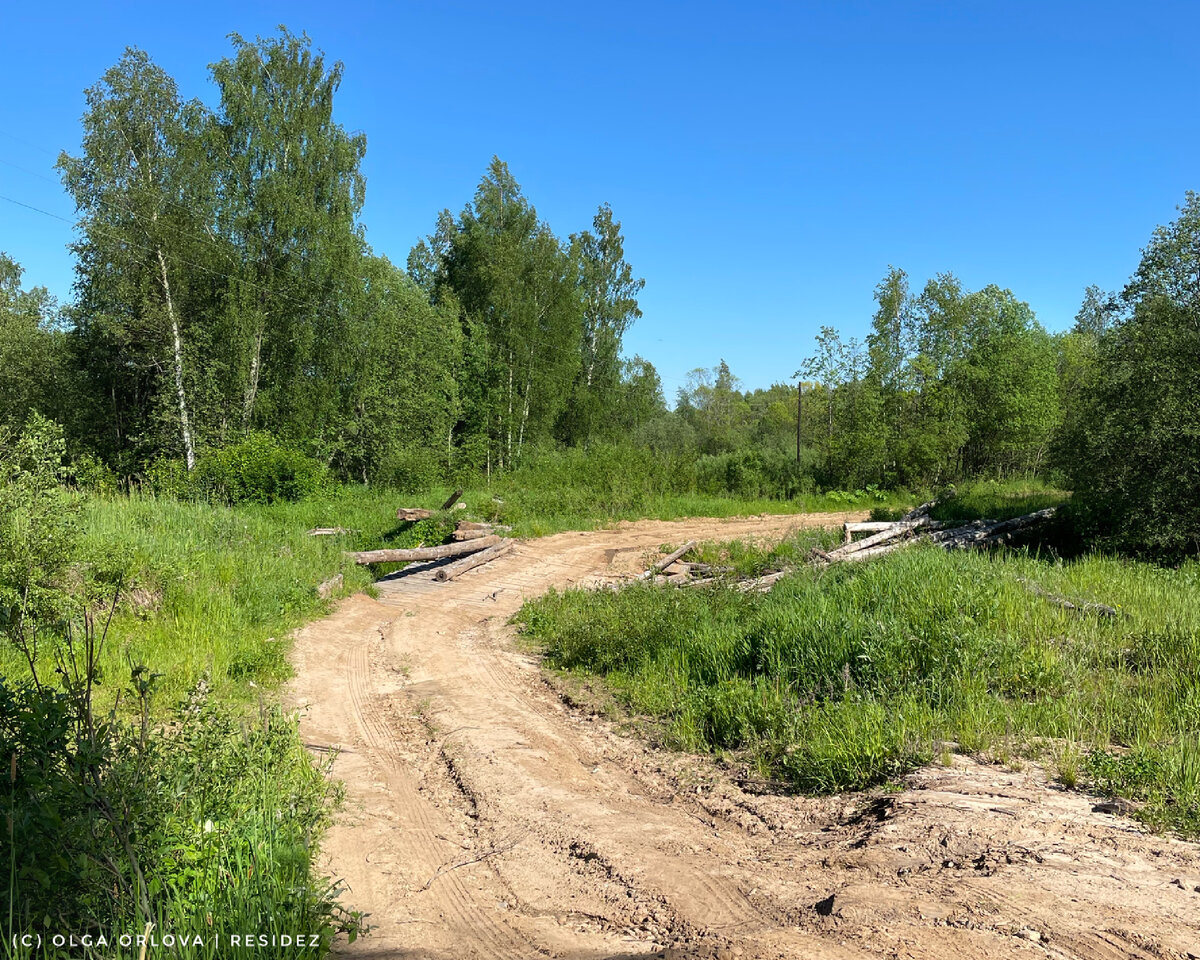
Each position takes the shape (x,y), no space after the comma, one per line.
(486,818)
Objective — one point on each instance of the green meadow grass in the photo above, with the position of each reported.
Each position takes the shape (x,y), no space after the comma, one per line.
(215,591)
(849,677)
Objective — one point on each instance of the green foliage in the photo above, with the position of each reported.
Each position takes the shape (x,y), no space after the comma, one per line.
(208,826)
(849,677)
(1131,449)
(33,372)
(38,534)
(258,469)
(995,500)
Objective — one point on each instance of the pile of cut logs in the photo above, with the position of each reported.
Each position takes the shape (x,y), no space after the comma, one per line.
(475,543)
(888,536)
(883,537)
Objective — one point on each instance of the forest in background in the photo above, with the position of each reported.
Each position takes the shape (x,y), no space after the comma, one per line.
(232,335)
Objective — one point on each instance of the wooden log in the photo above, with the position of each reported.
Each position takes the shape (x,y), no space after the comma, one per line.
(330,586)
(980,531)
(1078,606)
(459,567)
(921,511)
(869,526)
(412,514)
(865,526)
(877,551)
(709,568)
(470,534)
(454,498)
(898,529)
(667,560)
(423,553)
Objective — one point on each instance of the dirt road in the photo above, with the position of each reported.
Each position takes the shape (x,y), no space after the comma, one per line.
(486,818)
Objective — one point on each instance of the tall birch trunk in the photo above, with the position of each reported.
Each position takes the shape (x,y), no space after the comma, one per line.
(189,451)
(525,411)
(508,420)
(252,381)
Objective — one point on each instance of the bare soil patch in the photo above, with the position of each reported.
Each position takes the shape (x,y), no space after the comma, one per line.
(487,818)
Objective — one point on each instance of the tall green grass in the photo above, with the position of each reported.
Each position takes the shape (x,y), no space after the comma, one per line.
(848,677)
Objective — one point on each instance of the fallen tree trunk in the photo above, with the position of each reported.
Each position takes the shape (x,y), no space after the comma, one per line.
(423,553)
(894,530)
(472,525)
(921,511)
(412,514)
(1078,606)
(470,534)
(865,526)
(667,560)
(980,531)
(459,567)
(876,551)
(454,498)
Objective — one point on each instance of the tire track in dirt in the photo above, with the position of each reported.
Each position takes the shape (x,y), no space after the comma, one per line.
(485,818)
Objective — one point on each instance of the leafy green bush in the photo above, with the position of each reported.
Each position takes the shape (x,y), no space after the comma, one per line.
(257,469)
(207,826)
(755,472)
(204,824)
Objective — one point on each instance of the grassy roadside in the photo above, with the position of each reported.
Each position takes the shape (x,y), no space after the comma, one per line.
(214,808)
(849,677)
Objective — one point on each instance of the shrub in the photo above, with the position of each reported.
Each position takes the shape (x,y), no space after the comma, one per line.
(207,829)
(257,469)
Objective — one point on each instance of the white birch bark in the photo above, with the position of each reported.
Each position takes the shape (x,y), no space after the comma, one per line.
(189,450)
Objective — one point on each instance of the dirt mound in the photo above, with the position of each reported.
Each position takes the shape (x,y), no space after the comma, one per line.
(485,818)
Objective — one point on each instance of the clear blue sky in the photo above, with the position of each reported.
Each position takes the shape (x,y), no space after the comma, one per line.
(768,160)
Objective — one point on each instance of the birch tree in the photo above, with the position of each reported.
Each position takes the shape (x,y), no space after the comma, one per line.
(291,192)
(144,228)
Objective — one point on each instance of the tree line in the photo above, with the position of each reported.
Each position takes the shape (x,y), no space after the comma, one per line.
(224,289)
(224,285)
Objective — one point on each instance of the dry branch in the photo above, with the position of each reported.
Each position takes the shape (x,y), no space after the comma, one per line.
(459,567)
(423,553)
(761,584)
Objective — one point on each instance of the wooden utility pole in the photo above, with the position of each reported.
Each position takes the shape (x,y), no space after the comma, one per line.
(799,410)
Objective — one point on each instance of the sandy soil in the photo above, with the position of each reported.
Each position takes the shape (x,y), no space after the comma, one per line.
(486,817)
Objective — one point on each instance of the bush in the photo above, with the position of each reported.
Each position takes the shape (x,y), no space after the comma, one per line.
(257,469)
(208,829)
(753,473)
